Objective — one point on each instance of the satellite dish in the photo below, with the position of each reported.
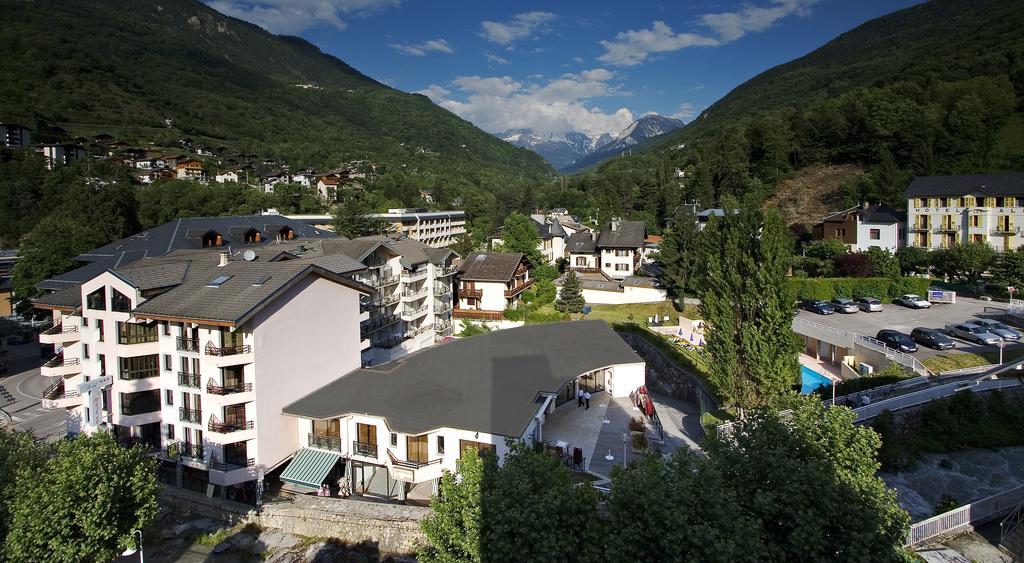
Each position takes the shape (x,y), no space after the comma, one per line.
(248,255)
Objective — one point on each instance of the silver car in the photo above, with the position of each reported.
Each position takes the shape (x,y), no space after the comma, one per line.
(869,304)
(844,305)
(1001,330)
(973,333)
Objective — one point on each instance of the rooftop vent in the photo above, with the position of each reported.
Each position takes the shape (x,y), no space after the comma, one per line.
(218,281)
(225,257)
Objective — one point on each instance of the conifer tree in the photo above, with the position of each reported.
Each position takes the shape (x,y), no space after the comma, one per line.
(570,300)
(677,254)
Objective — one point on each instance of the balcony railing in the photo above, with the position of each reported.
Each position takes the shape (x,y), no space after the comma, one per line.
(188,379)
(224,466)
(518,289)
(442,290)
(378,282)
(471,293)
(413,312)
(920,228)
(478,315)
(188,344)
(389,341)
(947,229)
(143,338)
(416,331)
(411,464)
(442,308)
(60,361)
(185,450)
(59,328)
(135,374)
(1004,230)
(588,270)
(214,389)
(325,442)
(231,426)
(376,324)
(442,272)
(55,390)
(195,416)
(415,293)
(441,326)
(363,449)
(414,275)
(227,350)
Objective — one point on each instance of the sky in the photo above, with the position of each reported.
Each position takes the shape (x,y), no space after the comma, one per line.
(589,66)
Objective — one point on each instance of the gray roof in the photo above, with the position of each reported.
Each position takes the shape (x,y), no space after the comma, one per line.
(1007,183)
(706,214)
(180,234)
(583,242)
(627,234)
(486,383)
(490,266)
(872,214)
(69,299)
(547,228)
(412,215)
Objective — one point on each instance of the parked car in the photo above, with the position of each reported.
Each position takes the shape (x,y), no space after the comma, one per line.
(973,333)
(869,304)
(1002,330)
(897,341)
(844,305)
(816,306)
(914,301)
(932,338)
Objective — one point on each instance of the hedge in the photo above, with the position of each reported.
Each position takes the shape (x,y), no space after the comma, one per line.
(882,288)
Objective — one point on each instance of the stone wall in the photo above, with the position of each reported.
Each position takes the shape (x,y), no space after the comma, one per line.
(394,528)
(666,378)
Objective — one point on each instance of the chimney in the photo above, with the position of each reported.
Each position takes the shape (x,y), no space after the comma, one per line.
(615,225)
(225,257)
(865,205)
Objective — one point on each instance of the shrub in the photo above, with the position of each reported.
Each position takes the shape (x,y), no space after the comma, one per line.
(830,288)
(637,424)
(513,314)
(639,442)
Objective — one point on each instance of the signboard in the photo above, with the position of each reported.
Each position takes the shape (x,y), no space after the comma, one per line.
(402,474)
(95,384)
(93,389)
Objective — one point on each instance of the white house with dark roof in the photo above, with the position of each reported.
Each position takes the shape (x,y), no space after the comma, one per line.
(945,210)
(617,251)
(489,283)
(393,429)
(196,353)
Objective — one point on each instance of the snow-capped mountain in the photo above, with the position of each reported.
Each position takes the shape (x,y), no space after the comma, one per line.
(569,152)
(560,149)
(639,131)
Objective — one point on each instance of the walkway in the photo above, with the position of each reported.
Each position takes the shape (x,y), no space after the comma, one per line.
(681,421)
(610,442)
(578,426)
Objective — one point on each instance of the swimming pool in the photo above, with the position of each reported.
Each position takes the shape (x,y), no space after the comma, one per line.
(811,380)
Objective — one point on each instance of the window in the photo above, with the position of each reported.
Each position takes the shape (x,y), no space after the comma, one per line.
(119,302)
(394,440)
(167,328)
(607,264)
(100,327)
(139,367)
(212,238)
(169,397)
(170,432)
(874,234)
(1019,202)
(581,260)
(330,427)
(440,445)
(167,362)
(85,351)
(621,253)
(97,300)
(416,449)
(140,403)
(85,322)
(366,434)
(478,446)
(102,360)
(135,333)
(1000,201)
(622,267)
(943,202)
(840,232)
(252,236)
(975,220)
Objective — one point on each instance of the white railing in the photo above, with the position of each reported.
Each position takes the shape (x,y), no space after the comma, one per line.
(894,355)
(811,326)
(916,398)
(959,519)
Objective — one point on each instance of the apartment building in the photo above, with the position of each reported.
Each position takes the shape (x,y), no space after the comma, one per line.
(195,354)
(864,227)
(14,135)
(434,228)
(393,429)
(945,210)
(59,154)
(490,282)
(616,252)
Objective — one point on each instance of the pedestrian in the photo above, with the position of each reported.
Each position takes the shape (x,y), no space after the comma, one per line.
(579,397)
(586,397)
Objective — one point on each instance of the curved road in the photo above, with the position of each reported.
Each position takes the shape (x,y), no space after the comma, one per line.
(21,390)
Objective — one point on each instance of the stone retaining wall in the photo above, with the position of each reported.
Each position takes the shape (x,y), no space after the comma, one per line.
(666,378)
(394,528)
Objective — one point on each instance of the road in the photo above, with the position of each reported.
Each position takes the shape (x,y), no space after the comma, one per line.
(21,390)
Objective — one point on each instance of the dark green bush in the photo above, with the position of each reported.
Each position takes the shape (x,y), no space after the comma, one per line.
(882,288)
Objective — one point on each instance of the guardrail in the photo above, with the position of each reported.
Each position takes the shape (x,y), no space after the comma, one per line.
(899,357)
(916,398)
(813,326)
(959,519)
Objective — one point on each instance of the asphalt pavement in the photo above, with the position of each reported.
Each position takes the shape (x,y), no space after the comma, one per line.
(21,390)
(904,319)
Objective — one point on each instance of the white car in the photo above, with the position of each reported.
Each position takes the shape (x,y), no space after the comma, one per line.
(914,301)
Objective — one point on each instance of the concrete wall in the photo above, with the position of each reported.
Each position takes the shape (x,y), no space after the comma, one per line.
(628,294)
(665,377)
(889,236)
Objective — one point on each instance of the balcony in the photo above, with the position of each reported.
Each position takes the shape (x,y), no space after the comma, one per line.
(442,308)
(471,293)
(1004,230)
(389,341)
(518,289)
(60,334)
(409,463)
(588,270)
(474,314)
(365,450)
(446,271)
(225,466)
(413,294)
(325,442)
(374,325)
(194,416)
(380,303)
(228,427)
(442,326)
(378,282)
(61,366)
(188,379)
(411,313)
(185,450)
(413,471)
(187,344)
(408,275)
(214,389)
(442,290)
(418,330)
(921,228)
(947,229)
(222,351)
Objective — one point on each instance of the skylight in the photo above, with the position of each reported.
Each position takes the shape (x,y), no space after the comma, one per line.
(218,281)
(261,281)
(481,257)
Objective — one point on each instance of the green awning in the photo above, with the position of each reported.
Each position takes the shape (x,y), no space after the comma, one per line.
(309,467)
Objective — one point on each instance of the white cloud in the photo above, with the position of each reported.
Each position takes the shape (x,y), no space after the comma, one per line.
(495,59)
(577,59)
(686,112)
(294,16)
(697,88)
(558,106)
(730,26)
(633,47)
(521,26)
(421,49)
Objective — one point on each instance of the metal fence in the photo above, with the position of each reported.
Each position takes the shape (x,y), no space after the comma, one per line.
(916,398)
(899,357)
(959,519)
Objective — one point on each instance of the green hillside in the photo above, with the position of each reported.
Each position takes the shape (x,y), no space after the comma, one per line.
(124,66)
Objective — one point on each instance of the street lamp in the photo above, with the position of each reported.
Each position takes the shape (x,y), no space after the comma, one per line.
(138,549)
(625,442)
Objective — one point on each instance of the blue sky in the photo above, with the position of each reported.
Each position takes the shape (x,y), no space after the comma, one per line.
(589,66)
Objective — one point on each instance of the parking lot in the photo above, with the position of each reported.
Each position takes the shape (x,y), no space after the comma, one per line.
(903,319)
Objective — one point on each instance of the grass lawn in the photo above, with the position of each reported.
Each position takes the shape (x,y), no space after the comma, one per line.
(638,312)
(959,360)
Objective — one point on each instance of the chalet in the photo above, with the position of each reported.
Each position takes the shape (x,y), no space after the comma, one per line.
(229,176)
(154,174)
(191,169)
(864,227)
(617,251)
(490,282)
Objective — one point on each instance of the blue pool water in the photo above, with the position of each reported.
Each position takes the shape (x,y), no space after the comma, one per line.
(811,380)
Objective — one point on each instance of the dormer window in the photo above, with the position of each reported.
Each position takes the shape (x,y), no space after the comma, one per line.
(286,233)
(212,238)
(252,236)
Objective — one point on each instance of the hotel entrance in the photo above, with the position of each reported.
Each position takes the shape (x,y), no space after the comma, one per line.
(592,382)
